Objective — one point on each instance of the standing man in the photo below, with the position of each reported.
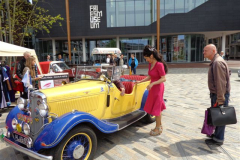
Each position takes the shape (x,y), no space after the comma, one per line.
(121,63)
(219,87)
(133,63)
(20,67)
(48,58)
(60,58)
(108,59)
(116,59)
(227,56)
(21,64)
(221,53)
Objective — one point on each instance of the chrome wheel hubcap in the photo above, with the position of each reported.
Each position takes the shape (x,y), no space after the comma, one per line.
(78,152)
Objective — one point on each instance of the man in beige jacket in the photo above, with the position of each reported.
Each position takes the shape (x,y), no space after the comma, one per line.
(219,87)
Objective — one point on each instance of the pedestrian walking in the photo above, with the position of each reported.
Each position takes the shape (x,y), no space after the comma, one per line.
(116,60)
(221,53)
(60,58)
(227,56)
(112,60)
(133,63)
(48,58)
(108,59)
(156,73)
(219,87)
(121,63)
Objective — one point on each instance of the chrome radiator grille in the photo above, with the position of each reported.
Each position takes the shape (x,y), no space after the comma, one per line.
(37,121)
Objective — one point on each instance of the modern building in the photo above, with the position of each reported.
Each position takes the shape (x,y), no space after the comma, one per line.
(186,26)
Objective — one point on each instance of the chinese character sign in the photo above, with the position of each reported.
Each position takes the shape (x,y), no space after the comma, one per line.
(95,16)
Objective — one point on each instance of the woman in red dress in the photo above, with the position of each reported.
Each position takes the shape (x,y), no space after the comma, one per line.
(156,73)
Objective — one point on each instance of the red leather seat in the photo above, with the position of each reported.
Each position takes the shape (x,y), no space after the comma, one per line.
(128,87)
(133,77)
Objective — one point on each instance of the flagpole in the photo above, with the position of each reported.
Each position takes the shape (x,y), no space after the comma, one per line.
(68,30)
(158,24)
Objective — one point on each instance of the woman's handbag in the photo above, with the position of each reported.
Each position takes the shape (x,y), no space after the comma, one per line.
(207,129)
(221,116)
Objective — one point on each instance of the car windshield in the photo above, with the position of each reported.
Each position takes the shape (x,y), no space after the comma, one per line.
(94,72)
(61,66)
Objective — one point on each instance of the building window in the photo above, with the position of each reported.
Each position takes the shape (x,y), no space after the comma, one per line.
(121,13)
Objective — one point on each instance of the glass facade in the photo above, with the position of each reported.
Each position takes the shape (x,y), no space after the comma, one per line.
(121,13)
(134,46)
(182,48)
(44,48)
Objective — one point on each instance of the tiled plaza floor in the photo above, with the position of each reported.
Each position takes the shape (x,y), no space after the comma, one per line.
(188,97)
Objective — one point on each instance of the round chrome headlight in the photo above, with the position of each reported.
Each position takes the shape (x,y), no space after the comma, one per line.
(26,129)
(21,103)
(14,123)
(43,109)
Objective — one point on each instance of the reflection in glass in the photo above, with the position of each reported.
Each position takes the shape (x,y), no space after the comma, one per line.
(169,6)
(130,13)
(120,9)
(139,13)
(179,6)
(111,15)
(148,10)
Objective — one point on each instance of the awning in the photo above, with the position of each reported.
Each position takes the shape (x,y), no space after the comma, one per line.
(10,50)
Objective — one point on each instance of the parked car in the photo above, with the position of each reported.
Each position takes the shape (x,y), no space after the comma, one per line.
(54,74)
(61,122)
(57,67)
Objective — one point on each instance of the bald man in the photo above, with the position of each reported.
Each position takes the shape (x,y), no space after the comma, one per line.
(21,64)
(219,87)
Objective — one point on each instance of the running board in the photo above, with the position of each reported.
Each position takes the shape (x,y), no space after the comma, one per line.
(128,119)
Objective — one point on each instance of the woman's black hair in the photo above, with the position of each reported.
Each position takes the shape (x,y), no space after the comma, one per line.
(148,51)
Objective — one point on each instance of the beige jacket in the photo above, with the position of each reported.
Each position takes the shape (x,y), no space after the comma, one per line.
(219,78)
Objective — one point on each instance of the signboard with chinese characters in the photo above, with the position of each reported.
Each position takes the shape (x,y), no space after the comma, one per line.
(95,16)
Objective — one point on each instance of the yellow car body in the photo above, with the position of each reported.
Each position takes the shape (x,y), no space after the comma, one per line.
(91,97)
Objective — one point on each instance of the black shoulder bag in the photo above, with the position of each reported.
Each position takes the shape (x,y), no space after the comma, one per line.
(221,116)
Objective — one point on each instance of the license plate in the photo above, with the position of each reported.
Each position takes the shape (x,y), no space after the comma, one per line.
(20,138)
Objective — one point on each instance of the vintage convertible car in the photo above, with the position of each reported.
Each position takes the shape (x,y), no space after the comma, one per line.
(61,123)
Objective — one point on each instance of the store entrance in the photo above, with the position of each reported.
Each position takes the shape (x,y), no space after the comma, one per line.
(138,54)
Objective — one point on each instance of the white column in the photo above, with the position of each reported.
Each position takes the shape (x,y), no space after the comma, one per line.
(84,50)
(205,59)
(224,43)
(153,41)
(117,42)
(54,49)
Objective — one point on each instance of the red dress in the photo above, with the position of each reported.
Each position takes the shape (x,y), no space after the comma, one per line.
(155,103)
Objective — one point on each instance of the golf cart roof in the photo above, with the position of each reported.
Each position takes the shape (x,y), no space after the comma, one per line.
(106,51)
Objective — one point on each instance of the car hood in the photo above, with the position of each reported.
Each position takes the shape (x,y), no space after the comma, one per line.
(74,90)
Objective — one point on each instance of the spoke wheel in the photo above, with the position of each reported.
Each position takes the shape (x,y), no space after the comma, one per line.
(80,143)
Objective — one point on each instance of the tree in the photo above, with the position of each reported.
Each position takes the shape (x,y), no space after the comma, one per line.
(24,19)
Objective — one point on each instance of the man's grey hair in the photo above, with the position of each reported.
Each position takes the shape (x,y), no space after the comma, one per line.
(26,53)
(222,52)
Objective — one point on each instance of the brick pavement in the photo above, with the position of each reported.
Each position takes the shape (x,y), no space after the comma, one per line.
(188,97)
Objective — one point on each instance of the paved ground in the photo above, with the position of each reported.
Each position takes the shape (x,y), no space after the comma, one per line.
(188,97)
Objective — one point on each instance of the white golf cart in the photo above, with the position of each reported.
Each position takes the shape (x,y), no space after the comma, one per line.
(100,55)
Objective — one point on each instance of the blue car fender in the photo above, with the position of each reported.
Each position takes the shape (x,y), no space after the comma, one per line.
(54,132)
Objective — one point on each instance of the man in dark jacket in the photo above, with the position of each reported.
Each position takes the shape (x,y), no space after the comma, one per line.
(21,64)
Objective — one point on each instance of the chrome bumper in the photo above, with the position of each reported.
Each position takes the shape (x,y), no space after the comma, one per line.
(26,151)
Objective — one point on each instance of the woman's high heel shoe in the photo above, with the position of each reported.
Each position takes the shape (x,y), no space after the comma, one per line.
(156,133)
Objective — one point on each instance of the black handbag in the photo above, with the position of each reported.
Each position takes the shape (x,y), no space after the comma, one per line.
(221,116)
